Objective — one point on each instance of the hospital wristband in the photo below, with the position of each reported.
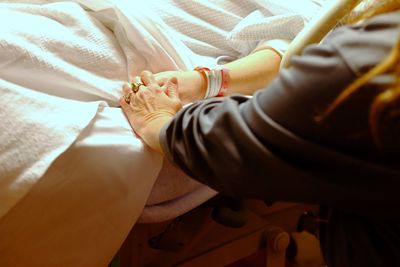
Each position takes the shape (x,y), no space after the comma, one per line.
(217,81)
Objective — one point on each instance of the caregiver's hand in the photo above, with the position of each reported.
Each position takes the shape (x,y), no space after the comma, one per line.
(151,107)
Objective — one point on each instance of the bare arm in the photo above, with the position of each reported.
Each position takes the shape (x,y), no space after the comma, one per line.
(253,72)
(247,75)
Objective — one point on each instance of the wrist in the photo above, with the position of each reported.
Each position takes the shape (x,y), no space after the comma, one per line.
(200,83)
(191,87)
(151,132)
(216,81)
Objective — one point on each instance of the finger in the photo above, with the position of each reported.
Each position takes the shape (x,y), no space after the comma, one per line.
(144,97)
(141,89)
(136,79)
(125,106)
(126,88)
(172,87)
(161,78)
(126,98)
(148,78)
(162,81)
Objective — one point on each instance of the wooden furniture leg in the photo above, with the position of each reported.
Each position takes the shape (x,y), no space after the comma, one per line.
(277,241)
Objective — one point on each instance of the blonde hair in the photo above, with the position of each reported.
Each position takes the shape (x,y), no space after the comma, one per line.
(369,8)
(385,107)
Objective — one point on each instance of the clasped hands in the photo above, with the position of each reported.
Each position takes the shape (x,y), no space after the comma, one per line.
(150,106)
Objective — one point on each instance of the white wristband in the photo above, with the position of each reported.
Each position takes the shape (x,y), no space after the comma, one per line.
(217,81)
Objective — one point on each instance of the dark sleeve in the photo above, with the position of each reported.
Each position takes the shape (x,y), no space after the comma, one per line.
(225,143)
(268,146)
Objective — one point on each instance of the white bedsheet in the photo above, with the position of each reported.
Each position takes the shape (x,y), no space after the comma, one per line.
(59,65)
(68,60)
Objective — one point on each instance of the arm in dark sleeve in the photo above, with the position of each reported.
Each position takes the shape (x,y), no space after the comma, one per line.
(221,142)
(242,147)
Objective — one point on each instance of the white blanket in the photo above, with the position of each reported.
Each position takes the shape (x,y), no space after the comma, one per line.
(62,62)
(58,66)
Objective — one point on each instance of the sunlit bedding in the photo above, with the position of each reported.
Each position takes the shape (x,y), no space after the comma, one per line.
(62,64)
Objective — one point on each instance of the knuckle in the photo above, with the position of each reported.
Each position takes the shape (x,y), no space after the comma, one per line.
(177,104)
(146,73)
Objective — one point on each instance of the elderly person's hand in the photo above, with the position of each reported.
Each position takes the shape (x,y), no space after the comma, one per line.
(150,107)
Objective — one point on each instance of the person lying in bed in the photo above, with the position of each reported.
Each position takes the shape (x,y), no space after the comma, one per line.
(324,132)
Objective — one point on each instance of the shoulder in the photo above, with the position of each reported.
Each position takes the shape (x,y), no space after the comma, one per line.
(364,45)
(324,70)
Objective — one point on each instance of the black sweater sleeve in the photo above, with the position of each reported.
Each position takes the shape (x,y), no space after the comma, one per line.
(269,146)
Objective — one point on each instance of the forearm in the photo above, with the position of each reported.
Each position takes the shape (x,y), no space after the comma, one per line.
(246,75)
(253,72)
(213,142)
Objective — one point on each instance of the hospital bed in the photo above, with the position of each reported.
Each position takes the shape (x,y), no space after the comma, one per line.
(93,180)
(208,242)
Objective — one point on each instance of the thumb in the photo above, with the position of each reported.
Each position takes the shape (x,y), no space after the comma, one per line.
(172,87)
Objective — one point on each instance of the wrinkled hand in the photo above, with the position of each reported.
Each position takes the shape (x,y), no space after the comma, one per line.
(151,107)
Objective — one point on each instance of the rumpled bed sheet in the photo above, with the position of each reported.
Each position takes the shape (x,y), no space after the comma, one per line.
(62,66)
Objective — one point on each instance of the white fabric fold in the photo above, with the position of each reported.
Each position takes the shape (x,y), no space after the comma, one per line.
(35,131)
(60,61)
(62,66)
